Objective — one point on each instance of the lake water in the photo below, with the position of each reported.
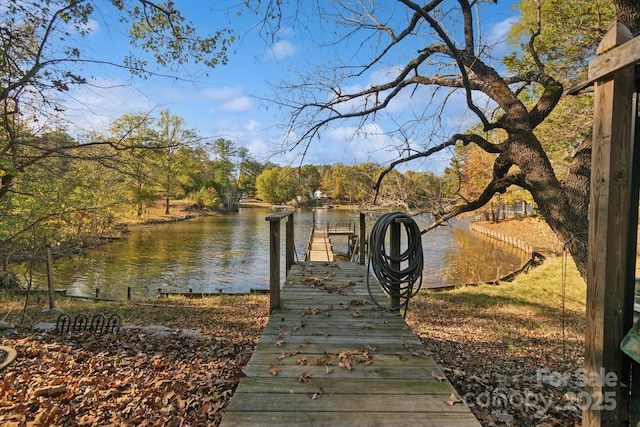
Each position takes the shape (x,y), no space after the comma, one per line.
(230,253)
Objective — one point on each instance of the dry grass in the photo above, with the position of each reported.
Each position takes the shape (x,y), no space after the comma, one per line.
(496,341)
(134,377)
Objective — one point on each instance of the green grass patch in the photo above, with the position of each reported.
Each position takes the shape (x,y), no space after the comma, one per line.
(543,288)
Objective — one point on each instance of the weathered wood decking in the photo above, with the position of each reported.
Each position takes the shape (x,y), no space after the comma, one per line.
(320,247)
(329,357)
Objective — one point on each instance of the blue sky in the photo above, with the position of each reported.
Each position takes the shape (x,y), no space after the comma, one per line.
(231,101)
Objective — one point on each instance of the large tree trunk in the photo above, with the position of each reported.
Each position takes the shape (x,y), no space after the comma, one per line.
(565,205)
(628,13)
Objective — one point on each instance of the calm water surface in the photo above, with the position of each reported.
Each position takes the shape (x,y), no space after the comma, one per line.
(230,253)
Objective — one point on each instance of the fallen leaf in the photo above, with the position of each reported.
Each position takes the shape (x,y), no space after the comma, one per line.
(357,313)
(273,370)
(304,376)
(316,395)
(50,391)
(286,354)
(346,358)
(440,378)
(309,311)
(453,400)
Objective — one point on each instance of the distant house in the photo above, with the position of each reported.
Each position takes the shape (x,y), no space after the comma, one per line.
(319,195)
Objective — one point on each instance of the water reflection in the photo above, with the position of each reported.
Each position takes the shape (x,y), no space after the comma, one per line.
(229,253)
(476,258)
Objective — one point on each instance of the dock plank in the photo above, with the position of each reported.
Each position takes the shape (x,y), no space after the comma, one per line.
(320,247)
(331,357)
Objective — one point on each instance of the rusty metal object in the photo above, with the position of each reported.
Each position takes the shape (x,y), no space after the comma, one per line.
(98,324)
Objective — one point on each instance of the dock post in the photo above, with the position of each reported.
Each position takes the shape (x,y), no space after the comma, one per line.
(363,238)
(274,264)
(289,245)
(274,254)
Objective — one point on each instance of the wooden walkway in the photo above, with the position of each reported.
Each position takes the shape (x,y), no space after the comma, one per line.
(320,248)
(329,357)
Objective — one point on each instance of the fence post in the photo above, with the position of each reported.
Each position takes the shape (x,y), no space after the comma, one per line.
(274,254)
(363,238)
(289,245)
(613,224)
(274,264)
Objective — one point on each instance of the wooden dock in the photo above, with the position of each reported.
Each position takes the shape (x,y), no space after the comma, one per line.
(330,357)
(320,247)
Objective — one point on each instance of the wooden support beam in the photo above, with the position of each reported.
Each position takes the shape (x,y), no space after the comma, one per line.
(363,238)
(606,367)
(274,254)
(289,245)
(274,265)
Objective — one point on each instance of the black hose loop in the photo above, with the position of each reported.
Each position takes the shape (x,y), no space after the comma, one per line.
(397,274)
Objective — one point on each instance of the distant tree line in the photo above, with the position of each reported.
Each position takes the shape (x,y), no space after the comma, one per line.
(78,192)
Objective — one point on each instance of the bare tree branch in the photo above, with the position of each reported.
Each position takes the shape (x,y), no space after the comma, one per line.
(497,185)
(465,138)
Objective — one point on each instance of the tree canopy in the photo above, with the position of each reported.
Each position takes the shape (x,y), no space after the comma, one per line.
(43,55)
(438,56)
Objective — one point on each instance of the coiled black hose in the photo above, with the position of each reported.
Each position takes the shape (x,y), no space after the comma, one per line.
(397,274)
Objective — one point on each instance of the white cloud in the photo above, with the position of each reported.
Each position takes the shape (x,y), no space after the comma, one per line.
(91,26)
(495,40)
(222,94)
(230,100)
(92,107)
(279,50)
(238,105)
(500,30)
